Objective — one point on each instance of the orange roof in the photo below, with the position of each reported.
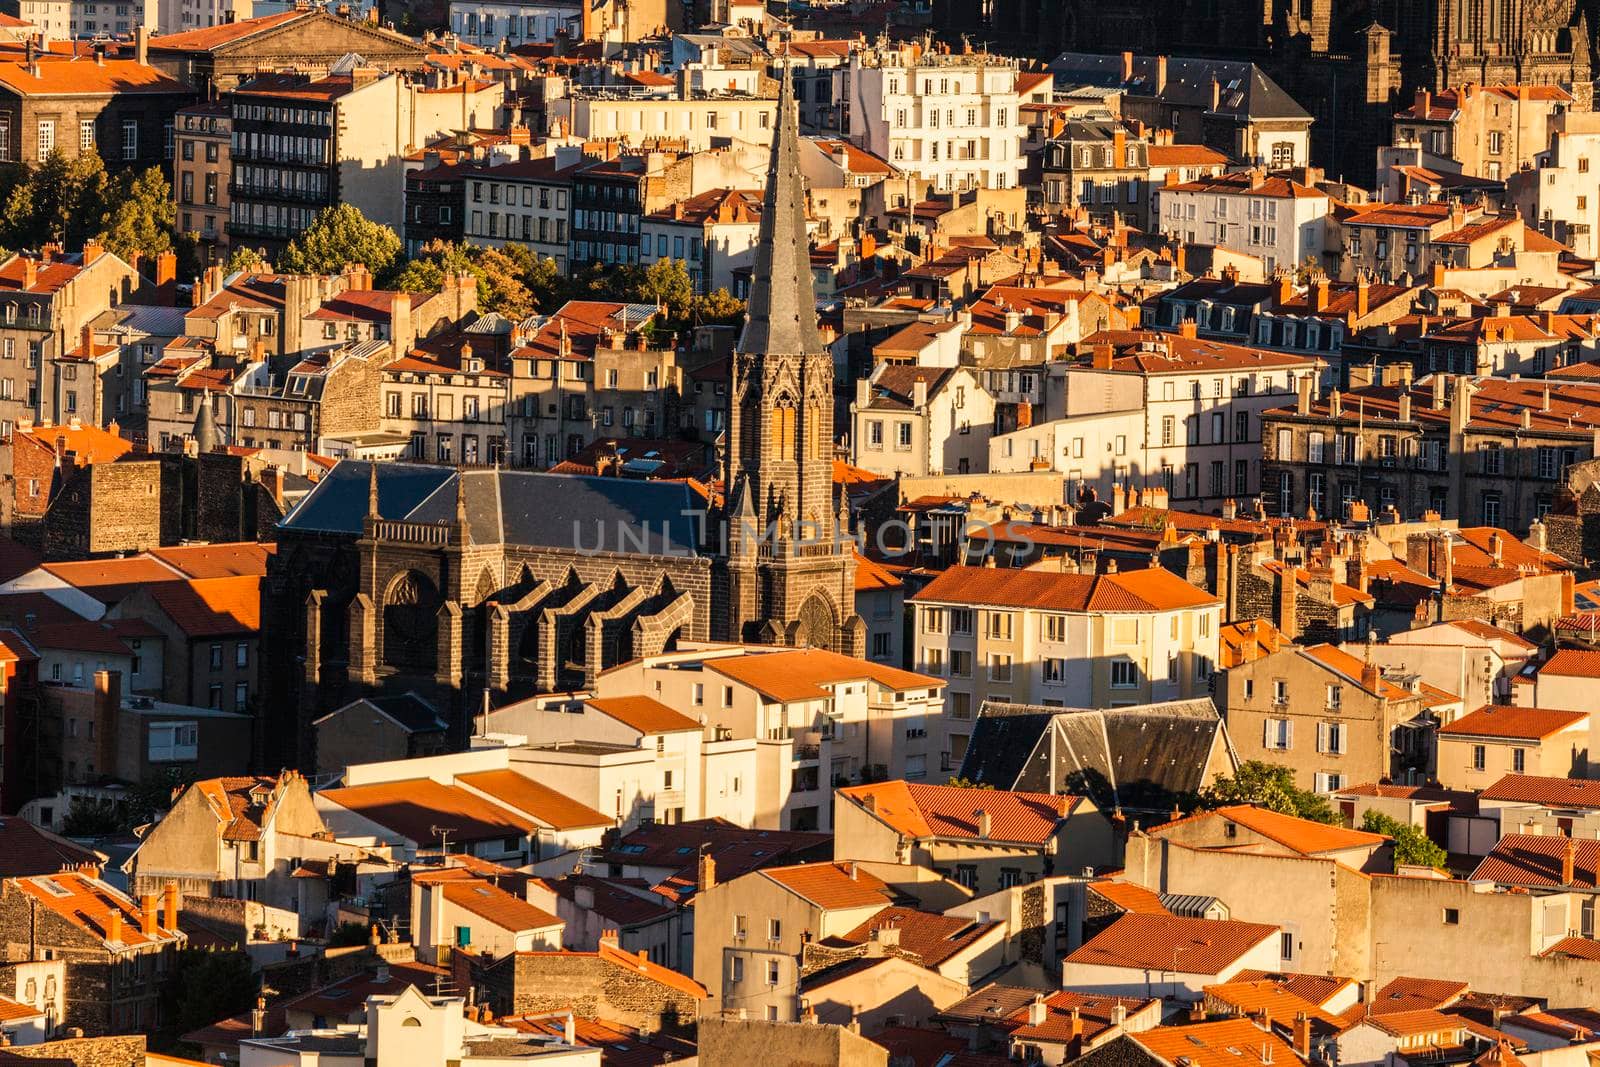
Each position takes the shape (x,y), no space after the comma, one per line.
(1263,994)
(209,37)
(1578,793)
(1184,155)
(109,580)
(90,443)
(645,714)
(1414,994)
(1225,1043)
(1152,589)
(1573,663)
(1351,667)
(932,937)
(1130,897)
(114,76)
(832,885)
(413,807)
(1299,835)
(519,792)
(1245,184)
(918,810)
(242,805)
(1500,720)
(494,905)
(871,576)
(11,1011)
(88,904)
(217,561)
(803,674)
(212,607)
(1171,942)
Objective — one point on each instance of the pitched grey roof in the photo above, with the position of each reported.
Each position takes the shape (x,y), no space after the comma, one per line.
(783,303)
(510,507)
(1141,758)
(1244,89)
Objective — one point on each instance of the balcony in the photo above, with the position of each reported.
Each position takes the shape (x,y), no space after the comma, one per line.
(243,191)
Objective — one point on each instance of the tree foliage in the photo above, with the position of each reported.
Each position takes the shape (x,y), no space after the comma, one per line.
(1411,845)
(339,236)
(242,257)
(1270,786)
(69,201)
(141,215)
(499,272)
(208,985)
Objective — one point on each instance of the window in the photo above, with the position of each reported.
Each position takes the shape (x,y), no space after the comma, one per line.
(738,968)
(998,625)
(130,139)
(1451,917)
(772,972)
(1055,627)
(1519,760)
(1278,735)
(216,657)
(85,135)
(999,668)
(1286,946)
(1055,670)
(1335,696)
(47,137)
(1124,674)
(173,741)
(1480,756)
(774,930)
(1330,738)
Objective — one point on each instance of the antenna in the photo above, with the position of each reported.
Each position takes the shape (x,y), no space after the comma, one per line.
(443,834)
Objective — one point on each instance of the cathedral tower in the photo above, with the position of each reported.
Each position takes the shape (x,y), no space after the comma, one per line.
(791,566)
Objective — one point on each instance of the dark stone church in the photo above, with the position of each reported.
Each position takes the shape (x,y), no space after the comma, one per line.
(471,584)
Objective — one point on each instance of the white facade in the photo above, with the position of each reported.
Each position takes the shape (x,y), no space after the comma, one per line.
(484,24)
(636,119)
(1559,196)
(712,251)
(953,120)
(1089,449)
(1281,230)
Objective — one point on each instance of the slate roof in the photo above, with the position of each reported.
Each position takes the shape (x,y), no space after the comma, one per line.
(1245,89)
(1144,757)
(509,507)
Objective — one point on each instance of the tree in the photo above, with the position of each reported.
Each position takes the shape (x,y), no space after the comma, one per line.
(142,215)
(667,282)
(964,783)
(61,200)
(546,283)
(337,237)
(1270,786)
(242,258)
(208,985)
(498,273)
(1411,845)
(717,308)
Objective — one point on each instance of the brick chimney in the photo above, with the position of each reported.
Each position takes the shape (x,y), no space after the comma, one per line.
(1302,1034)
(708,872)
(1288,610)
(30,272)
(169,905)
(114,925)
(1569,862)
(1371,677)
(985,823)
(147,915)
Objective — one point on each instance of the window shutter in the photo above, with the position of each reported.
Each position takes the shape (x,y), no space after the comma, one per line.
(1266,733)
(1322,737)
(1288,733)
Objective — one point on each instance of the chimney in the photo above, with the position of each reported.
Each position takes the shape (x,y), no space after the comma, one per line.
(1405,406)
(1074,1025)
(1024,415)
(985,824)
(166,267)
(1302,403)
(1038,1010)
(147,915)
(141,46)
(1102,357)
(1335,404)
(1440,382)
(258,1017)
(1569,862)
(1496,547)
(1371,677)
(1302,1034)
(1127,67)
(1161,75)
(1288,613)
(169,896)
(1319,294)
(1363,297)
(30,272)
(1189,328)
(919,394)
(708,872)
(114,925)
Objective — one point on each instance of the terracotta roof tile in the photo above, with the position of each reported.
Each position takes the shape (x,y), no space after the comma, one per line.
(1579,793)
(26,850)
(237,559)
(410,808)
(1415,994)
(209,37)
(1572,663)
(212,607)
(88,904)
(1499,720)
(1153,589)
(918,810)
(931,937)
(1096,1015)
(1226,1043)
(645,714)
(803,674)
(832,886)
(1535,861)
(90,443)
(494,905)
(113,77)
(1299,835)
(1196,946)
(536,799)
(1130,897)
(12,1011)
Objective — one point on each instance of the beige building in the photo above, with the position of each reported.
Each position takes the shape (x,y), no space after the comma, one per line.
(921,420)
(984,839)
(1485,745)
(1486,131)
(449,403)
(698,120)
(1332,718)
(1056,638)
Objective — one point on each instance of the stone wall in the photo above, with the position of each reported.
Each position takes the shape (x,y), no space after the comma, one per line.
(123,1050)
(591,986)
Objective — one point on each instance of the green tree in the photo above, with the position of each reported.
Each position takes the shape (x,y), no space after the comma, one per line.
(142,215)
(61,200)
(667,282)
(546,283)
(716,308)
(1270,786)
(1411,845)
(337,237)
(242,258)
(964,783)
(498,273)
(207,985)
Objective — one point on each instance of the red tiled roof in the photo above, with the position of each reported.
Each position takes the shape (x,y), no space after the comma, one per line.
(88,904)
(1130,897)
(536,799)
(639,964)
(645,714)
(803,673)
(210,37)
(1580,793)
(212,607)
(26,850)
(933,938)
(1226,1043)
(1168,942)
(1572,663)
(90,443)
(495,906)
(1299,835)
(1535,861)
(832,886)
(217,561)
(243,805)
(1500,720)
(112,77)
(412,807)
(918,810)
(1416,994)
(1152,589)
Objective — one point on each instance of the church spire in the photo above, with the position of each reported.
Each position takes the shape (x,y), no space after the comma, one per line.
(783,304)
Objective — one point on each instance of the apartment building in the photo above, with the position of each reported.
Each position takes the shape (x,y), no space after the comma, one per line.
(1484,746)
(1486,131)
(45,303)
(1554,191)
(920,420)
(1389,242)
(121,108)
(1049,637)
(203,144)
(712,233)
(1492,451)
(1276,219)
(449,403)
(699,120)
(783,727)
(524,201)
(590,371)
(1203,404)
(1331,717)
(954,120)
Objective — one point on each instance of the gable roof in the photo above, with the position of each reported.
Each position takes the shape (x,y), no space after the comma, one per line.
(212,607)
(1152,589)
(1172,942)
(524,794)
(803,673)
(1225,1043)
(495,906)
(412,807)
(88,903)
(69,78)
(931,937)
(1580,793)
(1572,663)
(243,805)
(1415,994)
(919,810)
(832,886)
(1129,896)
(1535,861)
(27,850)
(1298,835)
(644,714)
(1500,720)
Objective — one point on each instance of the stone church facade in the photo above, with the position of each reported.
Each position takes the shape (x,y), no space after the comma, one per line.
(477,585)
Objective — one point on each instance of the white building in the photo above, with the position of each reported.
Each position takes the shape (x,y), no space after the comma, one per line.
(713,233)
(1202,404)
(521,201)
(700,120)
(1091,450)
(908,419)
(953,120)
(1275,219)
(485,23)
(1559,196)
